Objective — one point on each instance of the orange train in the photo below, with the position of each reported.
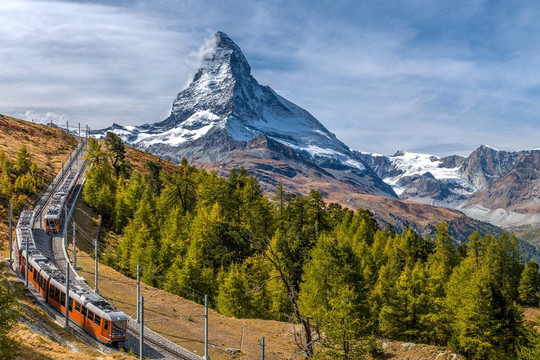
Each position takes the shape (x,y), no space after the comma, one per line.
(60,198)
(86,308)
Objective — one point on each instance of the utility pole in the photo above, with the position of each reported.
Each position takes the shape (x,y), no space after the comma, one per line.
(26,267)
(67,294)
(96,266)
(10,238)
(138,292)
(262,348)
(67,126)
(79,132)
(74,248)
(141,333)
(65,227)
(206,356)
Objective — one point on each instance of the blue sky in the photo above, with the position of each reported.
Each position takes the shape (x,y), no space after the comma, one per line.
(436,77)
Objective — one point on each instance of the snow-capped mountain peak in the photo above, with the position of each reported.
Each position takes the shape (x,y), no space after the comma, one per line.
(225,101)
(224,95)
(423,177)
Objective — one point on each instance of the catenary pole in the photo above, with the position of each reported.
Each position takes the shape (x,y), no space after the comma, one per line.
(26,266)
(10,237)
(141,326)
(96,266)
(67,294)
(74,247)
(206,356)
(262,348)
(64,233)
(138,292)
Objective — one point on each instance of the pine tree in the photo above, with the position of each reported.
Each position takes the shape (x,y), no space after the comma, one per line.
(469,301)
(99,190)
(5,186)
(116,153)
(24,161)
(94,155)
(333,293)
(188,278)
(232,299)
(529,285)
(487,323)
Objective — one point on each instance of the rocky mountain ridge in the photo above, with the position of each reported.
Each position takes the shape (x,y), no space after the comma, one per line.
(490,185)
(226,119)
(224,109)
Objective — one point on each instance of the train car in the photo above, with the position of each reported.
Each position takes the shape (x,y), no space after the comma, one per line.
(60,198)
(89,310)
(23,232)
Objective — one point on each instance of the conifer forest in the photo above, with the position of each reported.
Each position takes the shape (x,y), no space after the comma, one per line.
(339,275)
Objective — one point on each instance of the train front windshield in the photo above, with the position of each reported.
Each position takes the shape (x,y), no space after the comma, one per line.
(51,224)
(119,328)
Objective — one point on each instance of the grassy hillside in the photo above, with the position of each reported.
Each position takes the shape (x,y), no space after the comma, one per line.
(49,147)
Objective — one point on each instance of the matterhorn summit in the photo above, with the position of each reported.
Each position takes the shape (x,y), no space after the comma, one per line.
(225,114)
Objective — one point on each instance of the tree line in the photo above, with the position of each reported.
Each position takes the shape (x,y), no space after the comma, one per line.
(20,179)
(332,271)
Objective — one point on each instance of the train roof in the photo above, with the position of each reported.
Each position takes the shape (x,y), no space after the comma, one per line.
(54,211)
(23,230)
(94,302)
(79,291)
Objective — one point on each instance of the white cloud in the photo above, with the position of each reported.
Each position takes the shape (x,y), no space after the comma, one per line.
(382,78)
(44,117)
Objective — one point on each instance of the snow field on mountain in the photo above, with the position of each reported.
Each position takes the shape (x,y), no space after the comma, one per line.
(193,128)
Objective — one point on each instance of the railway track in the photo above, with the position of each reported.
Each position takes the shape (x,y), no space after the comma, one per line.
(155,346)
(150,338)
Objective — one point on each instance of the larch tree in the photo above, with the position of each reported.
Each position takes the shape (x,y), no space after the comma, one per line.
(529,285)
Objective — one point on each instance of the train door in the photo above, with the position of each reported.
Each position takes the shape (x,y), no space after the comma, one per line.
(106,329)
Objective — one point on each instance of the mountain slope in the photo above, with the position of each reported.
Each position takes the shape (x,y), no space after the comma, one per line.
(486,164)
(225,112)
(421,177)
(513,199)
(500,187)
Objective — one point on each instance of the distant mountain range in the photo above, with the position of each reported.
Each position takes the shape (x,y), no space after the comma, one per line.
(500,187)
(226,119)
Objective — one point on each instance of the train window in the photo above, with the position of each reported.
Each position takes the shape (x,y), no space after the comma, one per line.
(119,328)
(97,320)
(71,304)
(51,291)
(77,307)
(57,295)
(62,299)
(83,311)
(90,315)
(105,325)
(35,276)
